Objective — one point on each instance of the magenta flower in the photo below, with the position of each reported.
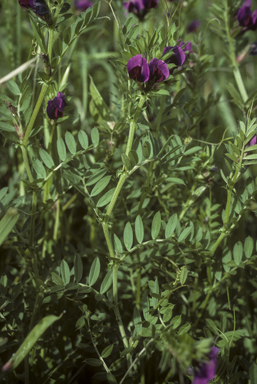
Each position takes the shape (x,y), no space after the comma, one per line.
(193,26)
(159,70)
(245,17)
(141,71)
(38,6)
(177,58)
(138,69)
(82,5)
(56,106)
(140,7)
(206,370)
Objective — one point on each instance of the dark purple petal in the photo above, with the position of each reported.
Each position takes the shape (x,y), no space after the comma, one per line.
(178,58)
(254,20)
(134,6)
(244,16)
(38,6)
(206,371)
(56,106)
(138,69)
(150,3)
(24,4)
(82,5)
(193,26)
(159,70)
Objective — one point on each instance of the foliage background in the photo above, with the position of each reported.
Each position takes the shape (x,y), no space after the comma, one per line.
(179,289)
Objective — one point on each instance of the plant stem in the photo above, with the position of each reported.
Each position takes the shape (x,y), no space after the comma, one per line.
(121,181)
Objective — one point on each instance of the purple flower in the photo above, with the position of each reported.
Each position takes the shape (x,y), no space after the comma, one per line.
(193,26)
(138,69)
(82,5)
(177,58)
(245,17)
(140,7)
(187,47)
(38,6)
(206,370)
(159,70)
(141,71)
(150,3)
(56,106)
(253,141)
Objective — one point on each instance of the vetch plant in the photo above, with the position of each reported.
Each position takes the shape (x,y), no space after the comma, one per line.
(127,193)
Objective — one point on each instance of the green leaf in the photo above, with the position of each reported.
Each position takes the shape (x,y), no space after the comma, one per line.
(253,373)
(99,109)
(94,362)
(176,321)
(126,162)
(175,180)
(61,149)
(183,275)
(128,236)
(238,252)
(94,271)
(107,351)
(106,283)
(156,225)
(7,127)
(248,247)
(67,35)
(95,136)
(106,198)
(39,168)
(71,143)
(96,176)
(171,225)
(99,187)
(146,148)
(184,234)
(139,229)
(13,87)
(58,46)
(96,9)
(83,139)
(46,158)
(30,341)
(65,272)
(8,222)
(78,268)
(133,157)
(117,244)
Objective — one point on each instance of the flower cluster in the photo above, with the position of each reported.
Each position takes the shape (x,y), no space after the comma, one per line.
(56,106)
(206,371)
(82,5)
(246,18)
(141,71)
(39,7)
(140,7)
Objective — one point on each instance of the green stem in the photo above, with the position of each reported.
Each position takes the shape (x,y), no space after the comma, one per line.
(106,229)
